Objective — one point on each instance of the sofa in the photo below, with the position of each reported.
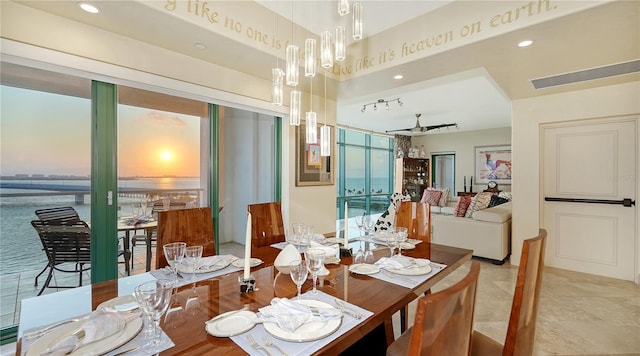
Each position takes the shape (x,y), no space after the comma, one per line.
(487,231)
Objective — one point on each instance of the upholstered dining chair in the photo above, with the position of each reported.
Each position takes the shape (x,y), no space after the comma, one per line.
(524,308)
(193,226)
(444,321)
(416,217)
(267,226)
(67,244)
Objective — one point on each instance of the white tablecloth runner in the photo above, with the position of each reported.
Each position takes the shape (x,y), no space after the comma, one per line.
(185,279)
(408,281)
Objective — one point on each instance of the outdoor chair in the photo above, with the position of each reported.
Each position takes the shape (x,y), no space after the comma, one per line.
(67,245)
(59,213)
(444,321)
(524,309)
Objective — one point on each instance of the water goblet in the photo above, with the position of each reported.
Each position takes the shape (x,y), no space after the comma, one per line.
(368,224)
(315,258)
(368,255)
(155,297)
(298,230)
(298,270)
(307,234)
(174,253)
(390,238)
(401,236)
(192,256)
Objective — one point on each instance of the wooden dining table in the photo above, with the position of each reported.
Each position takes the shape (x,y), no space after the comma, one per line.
(222,294)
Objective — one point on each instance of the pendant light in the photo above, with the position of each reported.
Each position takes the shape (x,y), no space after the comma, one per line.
(310,57)
(326,53)
(311,121)
(294,108)
(343,7)
(357,21)
(277,87)
(341,47)
(292,65)
(325,131)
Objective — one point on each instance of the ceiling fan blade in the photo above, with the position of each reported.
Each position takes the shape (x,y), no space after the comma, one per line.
(435,127)
(409,130)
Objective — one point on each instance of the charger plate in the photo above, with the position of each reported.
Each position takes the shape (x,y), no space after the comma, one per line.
(233,323)
(413,271)
(314,329)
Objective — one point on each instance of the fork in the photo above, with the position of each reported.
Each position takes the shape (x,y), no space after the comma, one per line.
(257,346)
(343,306)
(267,342)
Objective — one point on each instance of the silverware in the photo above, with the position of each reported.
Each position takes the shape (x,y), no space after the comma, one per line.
(226,315)
(253,343)
(40,332)
(267,342)
(390,274)
(124,352)
(343,307)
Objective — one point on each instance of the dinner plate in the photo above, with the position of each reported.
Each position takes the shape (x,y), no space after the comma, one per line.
(407,246)
(120,304)
(413,271)
(332,259)
(313,329)
(131,329)
(232,323)
(364,268)
(204,269)
(333,240)
(253,262)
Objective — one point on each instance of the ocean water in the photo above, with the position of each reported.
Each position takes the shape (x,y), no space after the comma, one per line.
(355,186)
(20,247)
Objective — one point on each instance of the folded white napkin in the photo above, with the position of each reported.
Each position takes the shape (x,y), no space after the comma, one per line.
(217,260)
(401,262)
(100,325)
(328,250)
(290,315)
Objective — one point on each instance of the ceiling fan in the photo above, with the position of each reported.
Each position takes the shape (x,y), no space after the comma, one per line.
(421,129)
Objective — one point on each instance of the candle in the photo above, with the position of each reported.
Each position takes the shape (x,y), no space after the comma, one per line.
(247,248)
(345,277)
(346,224)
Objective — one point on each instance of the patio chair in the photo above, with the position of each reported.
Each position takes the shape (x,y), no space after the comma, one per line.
(444,321)
(267,226)
(524,309)
(59,213)
(193,226)
(65,243)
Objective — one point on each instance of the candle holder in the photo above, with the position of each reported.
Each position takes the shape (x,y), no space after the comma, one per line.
(247,285)
(345,252)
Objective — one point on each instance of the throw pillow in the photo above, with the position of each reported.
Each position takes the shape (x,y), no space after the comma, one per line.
(444,197)
(505,195)
(496,200)
(480,201)
(461,206)
(431,197)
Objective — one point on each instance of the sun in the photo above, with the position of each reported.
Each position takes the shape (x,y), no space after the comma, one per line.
(166,155)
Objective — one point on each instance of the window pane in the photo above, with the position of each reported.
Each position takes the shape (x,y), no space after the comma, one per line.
(355,171)
(354,138)
(380,172)
(380,141)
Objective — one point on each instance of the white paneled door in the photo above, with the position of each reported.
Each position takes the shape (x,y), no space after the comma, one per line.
(592,163)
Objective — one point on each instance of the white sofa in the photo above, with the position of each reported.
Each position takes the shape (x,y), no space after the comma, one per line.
(487,232)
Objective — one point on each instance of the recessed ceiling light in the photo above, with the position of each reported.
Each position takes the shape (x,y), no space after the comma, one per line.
(88,8)
(525,43)
(398,76)
(199,46)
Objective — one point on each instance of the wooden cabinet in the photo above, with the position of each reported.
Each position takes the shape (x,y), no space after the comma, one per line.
(412,176)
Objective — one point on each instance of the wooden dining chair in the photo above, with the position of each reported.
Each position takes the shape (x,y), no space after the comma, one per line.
(524,309)
(416,217)
(267,226)
(67,244)
(444,321)
(193,226)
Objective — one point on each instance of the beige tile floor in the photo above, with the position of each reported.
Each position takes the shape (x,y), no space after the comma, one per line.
(579,314)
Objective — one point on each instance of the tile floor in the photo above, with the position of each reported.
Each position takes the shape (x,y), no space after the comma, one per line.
(579,314)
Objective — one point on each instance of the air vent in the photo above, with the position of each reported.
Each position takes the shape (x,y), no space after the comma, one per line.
(589,74)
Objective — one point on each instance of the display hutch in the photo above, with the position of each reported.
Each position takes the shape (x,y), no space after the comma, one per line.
(412,176)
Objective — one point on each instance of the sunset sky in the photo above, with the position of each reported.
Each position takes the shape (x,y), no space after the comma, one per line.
(45,133)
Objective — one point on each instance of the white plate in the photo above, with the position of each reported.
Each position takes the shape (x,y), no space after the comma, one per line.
(413,271)
(364,268)
(119,304)
(333,240)
(253,262)
(238,323)
(332,259)
(205,269)
(407,246)
(131,329)
(314,329)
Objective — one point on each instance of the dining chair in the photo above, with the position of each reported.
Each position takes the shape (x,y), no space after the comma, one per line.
(443,323)
(193,226)
(267,226)
(416,217)
(524,308)
(67,245)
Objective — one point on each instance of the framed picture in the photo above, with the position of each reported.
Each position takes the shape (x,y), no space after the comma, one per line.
(493,163)
(311,167)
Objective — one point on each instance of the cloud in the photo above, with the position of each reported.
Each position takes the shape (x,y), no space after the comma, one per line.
(162,119)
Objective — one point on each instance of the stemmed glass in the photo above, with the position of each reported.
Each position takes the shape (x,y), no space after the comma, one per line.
(298,270)
(155,296)
(359,257)
(401,236)
(298,230)
(174,253)
(315,258)
(192,256)
(390,238)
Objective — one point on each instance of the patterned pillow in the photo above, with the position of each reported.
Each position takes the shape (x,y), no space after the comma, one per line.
(462,205)
(496,200)
(444,197)
(480,201)
(505,195)
(431,197)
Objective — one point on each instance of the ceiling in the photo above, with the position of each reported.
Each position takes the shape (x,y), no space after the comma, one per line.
(472,85)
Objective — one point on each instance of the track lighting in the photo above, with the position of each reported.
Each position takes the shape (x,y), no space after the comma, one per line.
(381,101)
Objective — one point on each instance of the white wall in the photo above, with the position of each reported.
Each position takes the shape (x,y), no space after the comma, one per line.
(528,116)
(463,145)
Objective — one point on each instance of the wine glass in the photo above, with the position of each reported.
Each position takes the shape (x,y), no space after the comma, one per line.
(298,230)
(368,225)
(192,256)
(401,236)
(390,238)
(315,258)
(155,297)
(174,253)
(298,270)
